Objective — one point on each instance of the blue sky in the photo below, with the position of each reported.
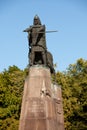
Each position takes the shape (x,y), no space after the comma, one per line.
(69,17)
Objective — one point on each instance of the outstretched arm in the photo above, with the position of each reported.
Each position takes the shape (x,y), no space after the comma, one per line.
(27,29)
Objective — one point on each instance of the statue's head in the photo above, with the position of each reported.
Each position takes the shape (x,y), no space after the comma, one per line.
(36,20)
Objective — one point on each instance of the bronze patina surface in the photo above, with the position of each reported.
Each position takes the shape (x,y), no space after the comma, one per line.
(38,53)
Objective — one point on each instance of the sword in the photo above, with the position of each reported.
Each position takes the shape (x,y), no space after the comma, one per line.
(48,31)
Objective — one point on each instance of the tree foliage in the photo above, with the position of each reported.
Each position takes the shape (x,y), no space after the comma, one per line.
(74,91)
(11,88)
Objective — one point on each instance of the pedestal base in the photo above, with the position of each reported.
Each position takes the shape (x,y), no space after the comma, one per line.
(42,102)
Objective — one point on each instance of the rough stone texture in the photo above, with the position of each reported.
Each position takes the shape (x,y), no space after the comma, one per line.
(42,102)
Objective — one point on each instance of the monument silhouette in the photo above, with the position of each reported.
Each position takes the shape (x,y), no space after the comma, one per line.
(42,107)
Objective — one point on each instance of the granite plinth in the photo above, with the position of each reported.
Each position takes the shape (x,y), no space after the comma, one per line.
(42,102)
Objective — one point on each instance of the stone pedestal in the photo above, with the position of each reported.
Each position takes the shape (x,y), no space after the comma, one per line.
(42,102)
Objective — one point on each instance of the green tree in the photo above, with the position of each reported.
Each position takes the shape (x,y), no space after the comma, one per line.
(78,75)
(74,90)
(11,89)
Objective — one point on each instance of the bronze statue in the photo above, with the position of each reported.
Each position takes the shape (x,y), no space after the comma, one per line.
(37,45)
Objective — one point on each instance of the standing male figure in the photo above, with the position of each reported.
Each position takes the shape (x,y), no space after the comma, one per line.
(37,42)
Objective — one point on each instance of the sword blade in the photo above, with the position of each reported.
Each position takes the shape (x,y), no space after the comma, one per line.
(48,31)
